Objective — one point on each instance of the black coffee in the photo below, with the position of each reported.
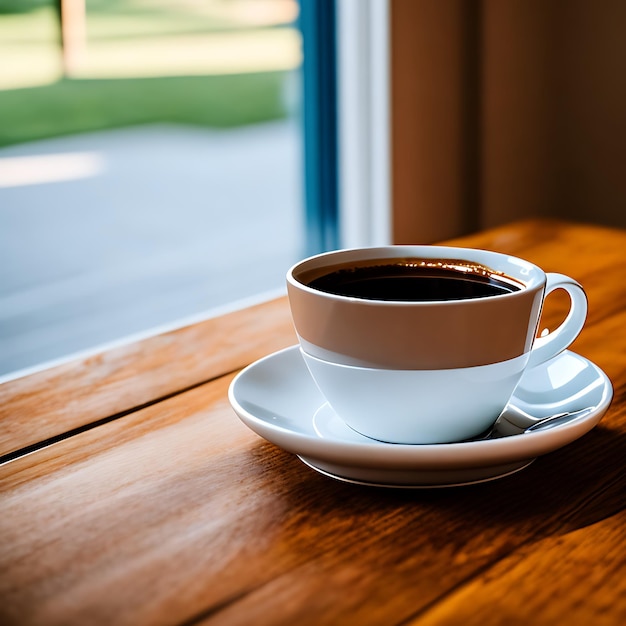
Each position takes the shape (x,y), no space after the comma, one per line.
(415,280)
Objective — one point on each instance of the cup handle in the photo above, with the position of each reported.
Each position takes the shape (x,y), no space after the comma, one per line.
(554,343)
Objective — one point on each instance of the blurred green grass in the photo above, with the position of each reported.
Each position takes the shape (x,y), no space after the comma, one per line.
(29,43)
(74,106)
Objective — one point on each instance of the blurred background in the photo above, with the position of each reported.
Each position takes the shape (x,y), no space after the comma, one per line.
(504,110)
(162,160)
(150,165)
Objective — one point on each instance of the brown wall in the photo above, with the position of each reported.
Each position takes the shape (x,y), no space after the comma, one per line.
(590,110)
(518,143)
(505,109)
(433,60)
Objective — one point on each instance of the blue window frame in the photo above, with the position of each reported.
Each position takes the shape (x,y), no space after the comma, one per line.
(318,27)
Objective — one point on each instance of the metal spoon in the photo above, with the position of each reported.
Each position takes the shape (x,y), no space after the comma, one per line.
(504,427)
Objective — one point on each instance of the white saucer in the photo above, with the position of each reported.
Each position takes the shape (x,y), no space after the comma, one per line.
(277,399)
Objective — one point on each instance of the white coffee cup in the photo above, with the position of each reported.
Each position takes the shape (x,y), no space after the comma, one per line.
(425,371)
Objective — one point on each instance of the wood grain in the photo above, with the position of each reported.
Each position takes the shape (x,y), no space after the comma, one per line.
(69,396)
(510,590)
(176,513)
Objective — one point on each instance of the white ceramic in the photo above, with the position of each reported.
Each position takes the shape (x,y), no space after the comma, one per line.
(430,335)
(277,398)
(426,371)
(417,406)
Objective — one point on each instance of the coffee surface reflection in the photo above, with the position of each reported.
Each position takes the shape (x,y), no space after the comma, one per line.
(414,280)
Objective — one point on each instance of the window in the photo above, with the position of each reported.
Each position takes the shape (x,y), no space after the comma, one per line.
(153,170)
(151,174)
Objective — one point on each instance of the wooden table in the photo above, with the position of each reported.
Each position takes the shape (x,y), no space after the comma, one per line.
(130,493)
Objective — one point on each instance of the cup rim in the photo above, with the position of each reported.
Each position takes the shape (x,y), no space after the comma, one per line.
(535,276)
